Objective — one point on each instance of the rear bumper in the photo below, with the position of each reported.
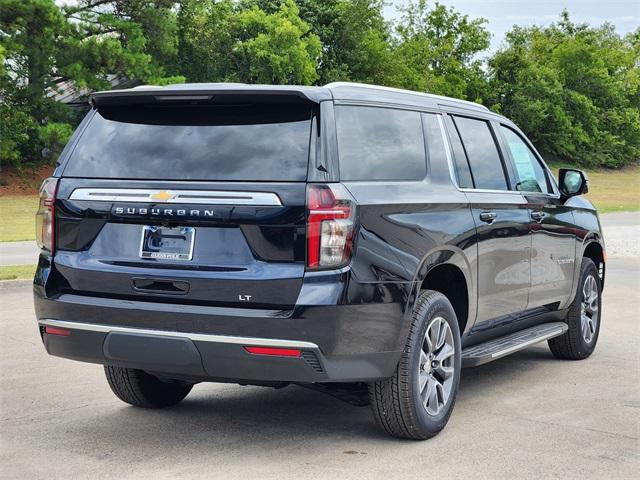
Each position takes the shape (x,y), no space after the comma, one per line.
(207,356)
(338,342)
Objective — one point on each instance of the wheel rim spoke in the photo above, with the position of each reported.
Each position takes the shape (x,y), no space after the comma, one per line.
(433,336)
(444,354)
(436,368)
(432,397)
(589,309)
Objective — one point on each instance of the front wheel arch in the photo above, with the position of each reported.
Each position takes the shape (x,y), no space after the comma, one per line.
(596,253)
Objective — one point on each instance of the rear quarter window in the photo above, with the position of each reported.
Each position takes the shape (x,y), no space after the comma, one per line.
(380,144)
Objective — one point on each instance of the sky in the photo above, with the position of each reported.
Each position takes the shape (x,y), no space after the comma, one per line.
(503,14)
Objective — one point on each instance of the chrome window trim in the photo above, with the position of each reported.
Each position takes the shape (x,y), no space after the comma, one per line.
(485,190)
(198,337)
(200,197)
(448,154)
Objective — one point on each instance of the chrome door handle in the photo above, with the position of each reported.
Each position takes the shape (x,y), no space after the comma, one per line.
(538,216)
(488,217)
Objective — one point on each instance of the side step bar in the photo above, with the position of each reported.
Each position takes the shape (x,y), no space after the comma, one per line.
(503,346)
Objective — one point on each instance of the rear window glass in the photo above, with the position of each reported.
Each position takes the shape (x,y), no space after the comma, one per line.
(248,143)
(380,144)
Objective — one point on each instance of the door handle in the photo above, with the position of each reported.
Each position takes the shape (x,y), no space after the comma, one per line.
(488,217)
(538,216)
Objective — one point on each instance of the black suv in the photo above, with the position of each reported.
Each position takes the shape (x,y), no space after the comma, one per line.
(362,241)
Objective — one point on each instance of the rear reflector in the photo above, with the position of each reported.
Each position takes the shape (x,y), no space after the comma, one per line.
(278,352)
(57,331)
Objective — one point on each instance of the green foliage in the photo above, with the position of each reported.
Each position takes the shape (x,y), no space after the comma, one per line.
(438,51)
(54,137)
(574,89)
(227,42)
(355,39)
(46,47)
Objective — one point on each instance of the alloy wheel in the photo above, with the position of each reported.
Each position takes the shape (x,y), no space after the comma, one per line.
(589,309)
(436,367)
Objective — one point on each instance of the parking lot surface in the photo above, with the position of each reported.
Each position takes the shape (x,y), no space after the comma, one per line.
(524,416)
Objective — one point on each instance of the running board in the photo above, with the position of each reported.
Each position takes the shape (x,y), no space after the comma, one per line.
(503,346)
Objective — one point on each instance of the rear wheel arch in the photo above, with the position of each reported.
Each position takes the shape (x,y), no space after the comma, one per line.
(451,281)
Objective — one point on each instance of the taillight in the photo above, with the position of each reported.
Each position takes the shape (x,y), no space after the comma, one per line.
(330,226)
(45,216)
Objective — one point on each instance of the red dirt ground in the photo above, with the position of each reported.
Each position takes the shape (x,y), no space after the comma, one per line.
(23,182)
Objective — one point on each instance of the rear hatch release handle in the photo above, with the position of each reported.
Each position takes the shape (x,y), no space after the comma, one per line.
(163,286)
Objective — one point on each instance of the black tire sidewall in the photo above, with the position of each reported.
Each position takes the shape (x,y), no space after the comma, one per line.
(439,307)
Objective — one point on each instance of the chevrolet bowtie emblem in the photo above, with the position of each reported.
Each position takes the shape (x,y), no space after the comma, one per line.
(163,196)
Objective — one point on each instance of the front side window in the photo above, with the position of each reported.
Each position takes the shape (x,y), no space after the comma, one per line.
(380,144)
(530,174)
(482,153)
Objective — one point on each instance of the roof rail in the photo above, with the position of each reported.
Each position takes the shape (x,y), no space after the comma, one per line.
(401,90)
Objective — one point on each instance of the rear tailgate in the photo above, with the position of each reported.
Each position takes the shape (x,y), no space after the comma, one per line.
(196,203)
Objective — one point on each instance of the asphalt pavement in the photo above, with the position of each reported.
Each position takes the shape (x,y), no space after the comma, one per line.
(525,416)
(18,253)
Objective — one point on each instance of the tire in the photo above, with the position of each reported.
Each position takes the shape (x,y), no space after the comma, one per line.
(579,341)
(140,389)
(396,402)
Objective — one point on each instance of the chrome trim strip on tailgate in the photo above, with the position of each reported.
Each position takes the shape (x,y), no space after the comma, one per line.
(199,337)
(200,197)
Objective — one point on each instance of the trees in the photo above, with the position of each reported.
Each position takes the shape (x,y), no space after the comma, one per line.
(355,39)
(31,34)
(574,89)
(46,46)
(437,51)
(222,41)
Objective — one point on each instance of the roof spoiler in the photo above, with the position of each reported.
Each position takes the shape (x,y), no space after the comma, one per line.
(229,94)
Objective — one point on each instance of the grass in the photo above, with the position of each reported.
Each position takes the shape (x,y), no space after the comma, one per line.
(612,190)
(615,190)
(17,217)
(14,272)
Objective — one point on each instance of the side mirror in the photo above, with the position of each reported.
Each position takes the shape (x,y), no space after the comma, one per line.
(573,182)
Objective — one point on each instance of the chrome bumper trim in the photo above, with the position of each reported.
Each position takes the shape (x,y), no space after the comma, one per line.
(199,337)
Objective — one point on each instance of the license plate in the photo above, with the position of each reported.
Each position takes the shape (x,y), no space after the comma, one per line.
(165,243)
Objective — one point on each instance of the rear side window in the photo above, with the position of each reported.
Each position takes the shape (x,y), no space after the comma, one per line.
(482,154)
(463,172)
(380,144)
(529,172)
(247,143)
